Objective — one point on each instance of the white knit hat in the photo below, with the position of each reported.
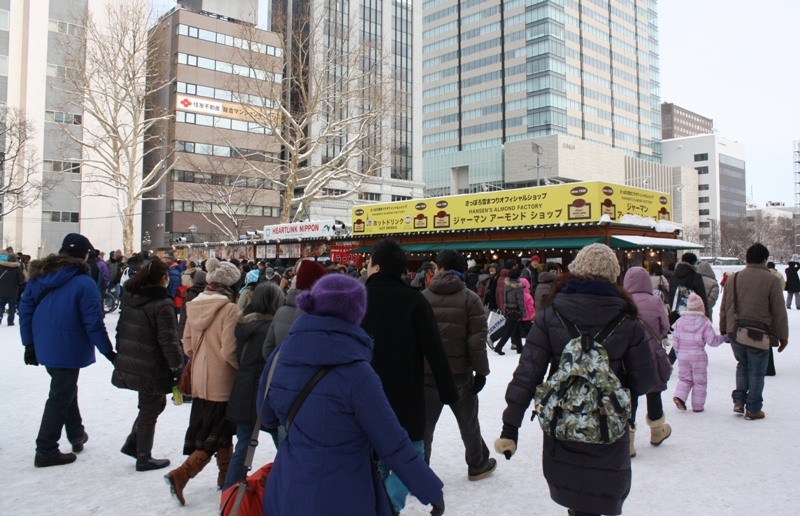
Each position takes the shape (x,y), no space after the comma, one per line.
(596,261)
(225,274)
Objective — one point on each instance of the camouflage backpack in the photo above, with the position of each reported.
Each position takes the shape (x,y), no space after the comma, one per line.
(584,401)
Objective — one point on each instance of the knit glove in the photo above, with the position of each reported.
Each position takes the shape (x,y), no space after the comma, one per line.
(111,356)
(478,383)
(507,443)
(30,356)
(438,507)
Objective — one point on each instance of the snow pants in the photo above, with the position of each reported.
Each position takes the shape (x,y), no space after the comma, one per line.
(693,376)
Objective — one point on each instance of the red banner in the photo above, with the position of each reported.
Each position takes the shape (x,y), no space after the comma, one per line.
(341,254)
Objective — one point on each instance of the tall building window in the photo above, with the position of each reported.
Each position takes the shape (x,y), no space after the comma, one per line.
(705,212)
(702,170)
(702,187)
(701,157)
(702,199)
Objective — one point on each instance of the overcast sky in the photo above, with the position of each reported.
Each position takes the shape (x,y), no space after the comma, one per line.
(738,62)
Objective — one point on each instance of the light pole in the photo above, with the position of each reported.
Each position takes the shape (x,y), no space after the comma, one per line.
(146,241)
(193,231)
(538,150)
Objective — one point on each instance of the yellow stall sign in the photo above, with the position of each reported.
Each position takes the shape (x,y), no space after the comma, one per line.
(544,205)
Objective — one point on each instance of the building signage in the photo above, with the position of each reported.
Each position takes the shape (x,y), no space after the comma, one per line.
(545,205)
(295,230)
(205,106)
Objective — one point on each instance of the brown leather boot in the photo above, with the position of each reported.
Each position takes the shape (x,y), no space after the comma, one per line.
(179,477)
(223,460)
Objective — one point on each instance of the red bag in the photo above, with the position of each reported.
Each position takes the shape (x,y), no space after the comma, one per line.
(253,496)
(180,296)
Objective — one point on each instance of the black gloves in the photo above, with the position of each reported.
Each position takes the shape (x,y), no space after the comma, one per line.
(30,356)
(438,507)
(478,383)
(111,356)
(507,444)
(176,376)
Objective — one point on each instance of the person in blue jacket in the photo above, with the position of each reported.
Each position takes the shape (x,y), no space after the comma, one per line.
(175,271)
(61,322)
(325,465)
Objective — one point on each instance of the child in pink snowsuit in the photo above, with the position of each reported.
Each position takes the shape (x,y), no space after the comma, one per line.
(692,332)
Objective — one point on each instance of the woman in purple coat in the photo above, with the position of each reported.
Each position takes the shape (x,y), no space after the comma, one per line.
(653,314)
(325,465)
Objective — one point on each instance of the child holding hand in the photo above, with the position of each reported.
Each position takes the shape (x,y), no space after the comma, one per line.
(692,333)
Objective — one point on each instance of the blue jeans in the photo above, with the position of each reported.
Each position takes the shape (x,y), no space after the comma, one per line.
(61,410)
(236,469)
(750,372)
(12,308)
(394,487)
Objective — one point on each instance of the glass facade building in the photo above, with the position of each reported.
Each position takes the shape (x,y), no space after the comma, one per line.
(497,71)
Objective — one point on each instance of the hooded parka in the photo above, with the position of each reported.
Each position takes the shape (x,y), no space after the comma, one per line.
(251,331)
(148,348)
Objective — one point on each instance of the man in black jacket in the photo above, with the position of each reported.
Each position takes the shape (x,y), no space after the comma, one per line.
(11,277)
(405,333)
(686,275)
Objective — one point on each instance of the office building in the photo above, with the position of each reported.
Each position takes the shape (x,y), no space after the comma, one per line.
(499,72)
(212,192)
(677,122)
(722,186)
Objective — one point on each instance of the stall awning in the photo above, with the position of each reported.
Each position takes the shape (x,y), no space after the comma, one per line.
(510,245)
(638,242)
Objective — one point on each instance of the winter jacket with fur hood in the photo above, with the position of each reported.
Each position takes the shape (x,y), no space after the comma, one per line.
(462,323)
(148,348)
(530,310)
(585,477)
(11,277)
(68,323)
(514,294)
(693,331)
(211,317)
(710,283)
(251,331)
(760,298)
(652,311)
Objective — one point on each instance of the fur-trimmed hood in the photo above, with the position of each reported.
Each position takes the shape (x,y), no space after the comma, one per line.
(10,265)
(254,317)
(513,283)
(55,263)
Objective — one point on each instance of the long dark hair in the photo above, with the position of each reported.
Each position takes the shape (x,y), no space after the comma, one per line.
(152,274)
(561,281)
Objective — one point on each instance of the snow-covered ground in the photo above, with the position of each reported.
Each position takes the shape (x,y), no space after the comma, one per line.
(714,463)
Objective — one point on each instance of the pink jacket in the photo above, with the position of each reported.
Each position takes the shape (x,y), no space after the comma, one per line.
(692,332)
(529,309)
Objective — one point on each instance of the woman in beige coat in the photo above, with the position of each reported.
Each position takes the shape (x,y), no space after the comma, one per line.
(209,340)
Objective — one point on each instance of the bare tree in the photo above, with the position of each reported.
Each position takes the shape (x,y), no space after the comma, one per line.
(229,199)
(775,233)
(326,107)
(112,74)
(20,185)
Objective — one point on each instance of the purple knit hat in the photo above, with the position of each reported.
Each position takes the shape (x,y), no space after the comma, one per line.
(335,295)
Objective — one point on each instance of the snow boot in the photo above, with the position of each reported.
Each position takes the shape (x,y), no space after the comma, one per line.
(659,431)
(679,403)
(484,472)
(633,435)
(223,460)
(179,477)
(129,448)
(738,408)
(753,417)
(144,461)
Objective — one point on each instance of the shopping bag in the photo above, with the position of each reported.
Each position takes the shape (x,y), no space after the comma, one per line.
(495,324)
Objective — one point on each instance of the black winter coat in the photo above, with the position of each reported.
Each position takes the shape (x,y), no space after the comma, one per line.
(593,478)
(148,348)
(11,277)
(473,273)
(191,293)
(402,324)
(792,279)
(251,331)
(686,276)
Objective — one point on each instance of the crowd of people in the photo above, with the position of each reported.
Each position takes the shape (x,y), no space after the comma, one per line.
(372,356)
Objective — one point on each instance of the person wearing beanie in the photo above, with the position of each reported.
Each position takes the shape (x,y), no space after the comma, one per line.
(462,324)
(246,293)
(515,310)
(692,333)
(251,331)
(209,341)
(271,275)
(654,318)
(406,334)
(61,324)
(326,466)
(11,277)
(307,273)
(589,298)
(686,276)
